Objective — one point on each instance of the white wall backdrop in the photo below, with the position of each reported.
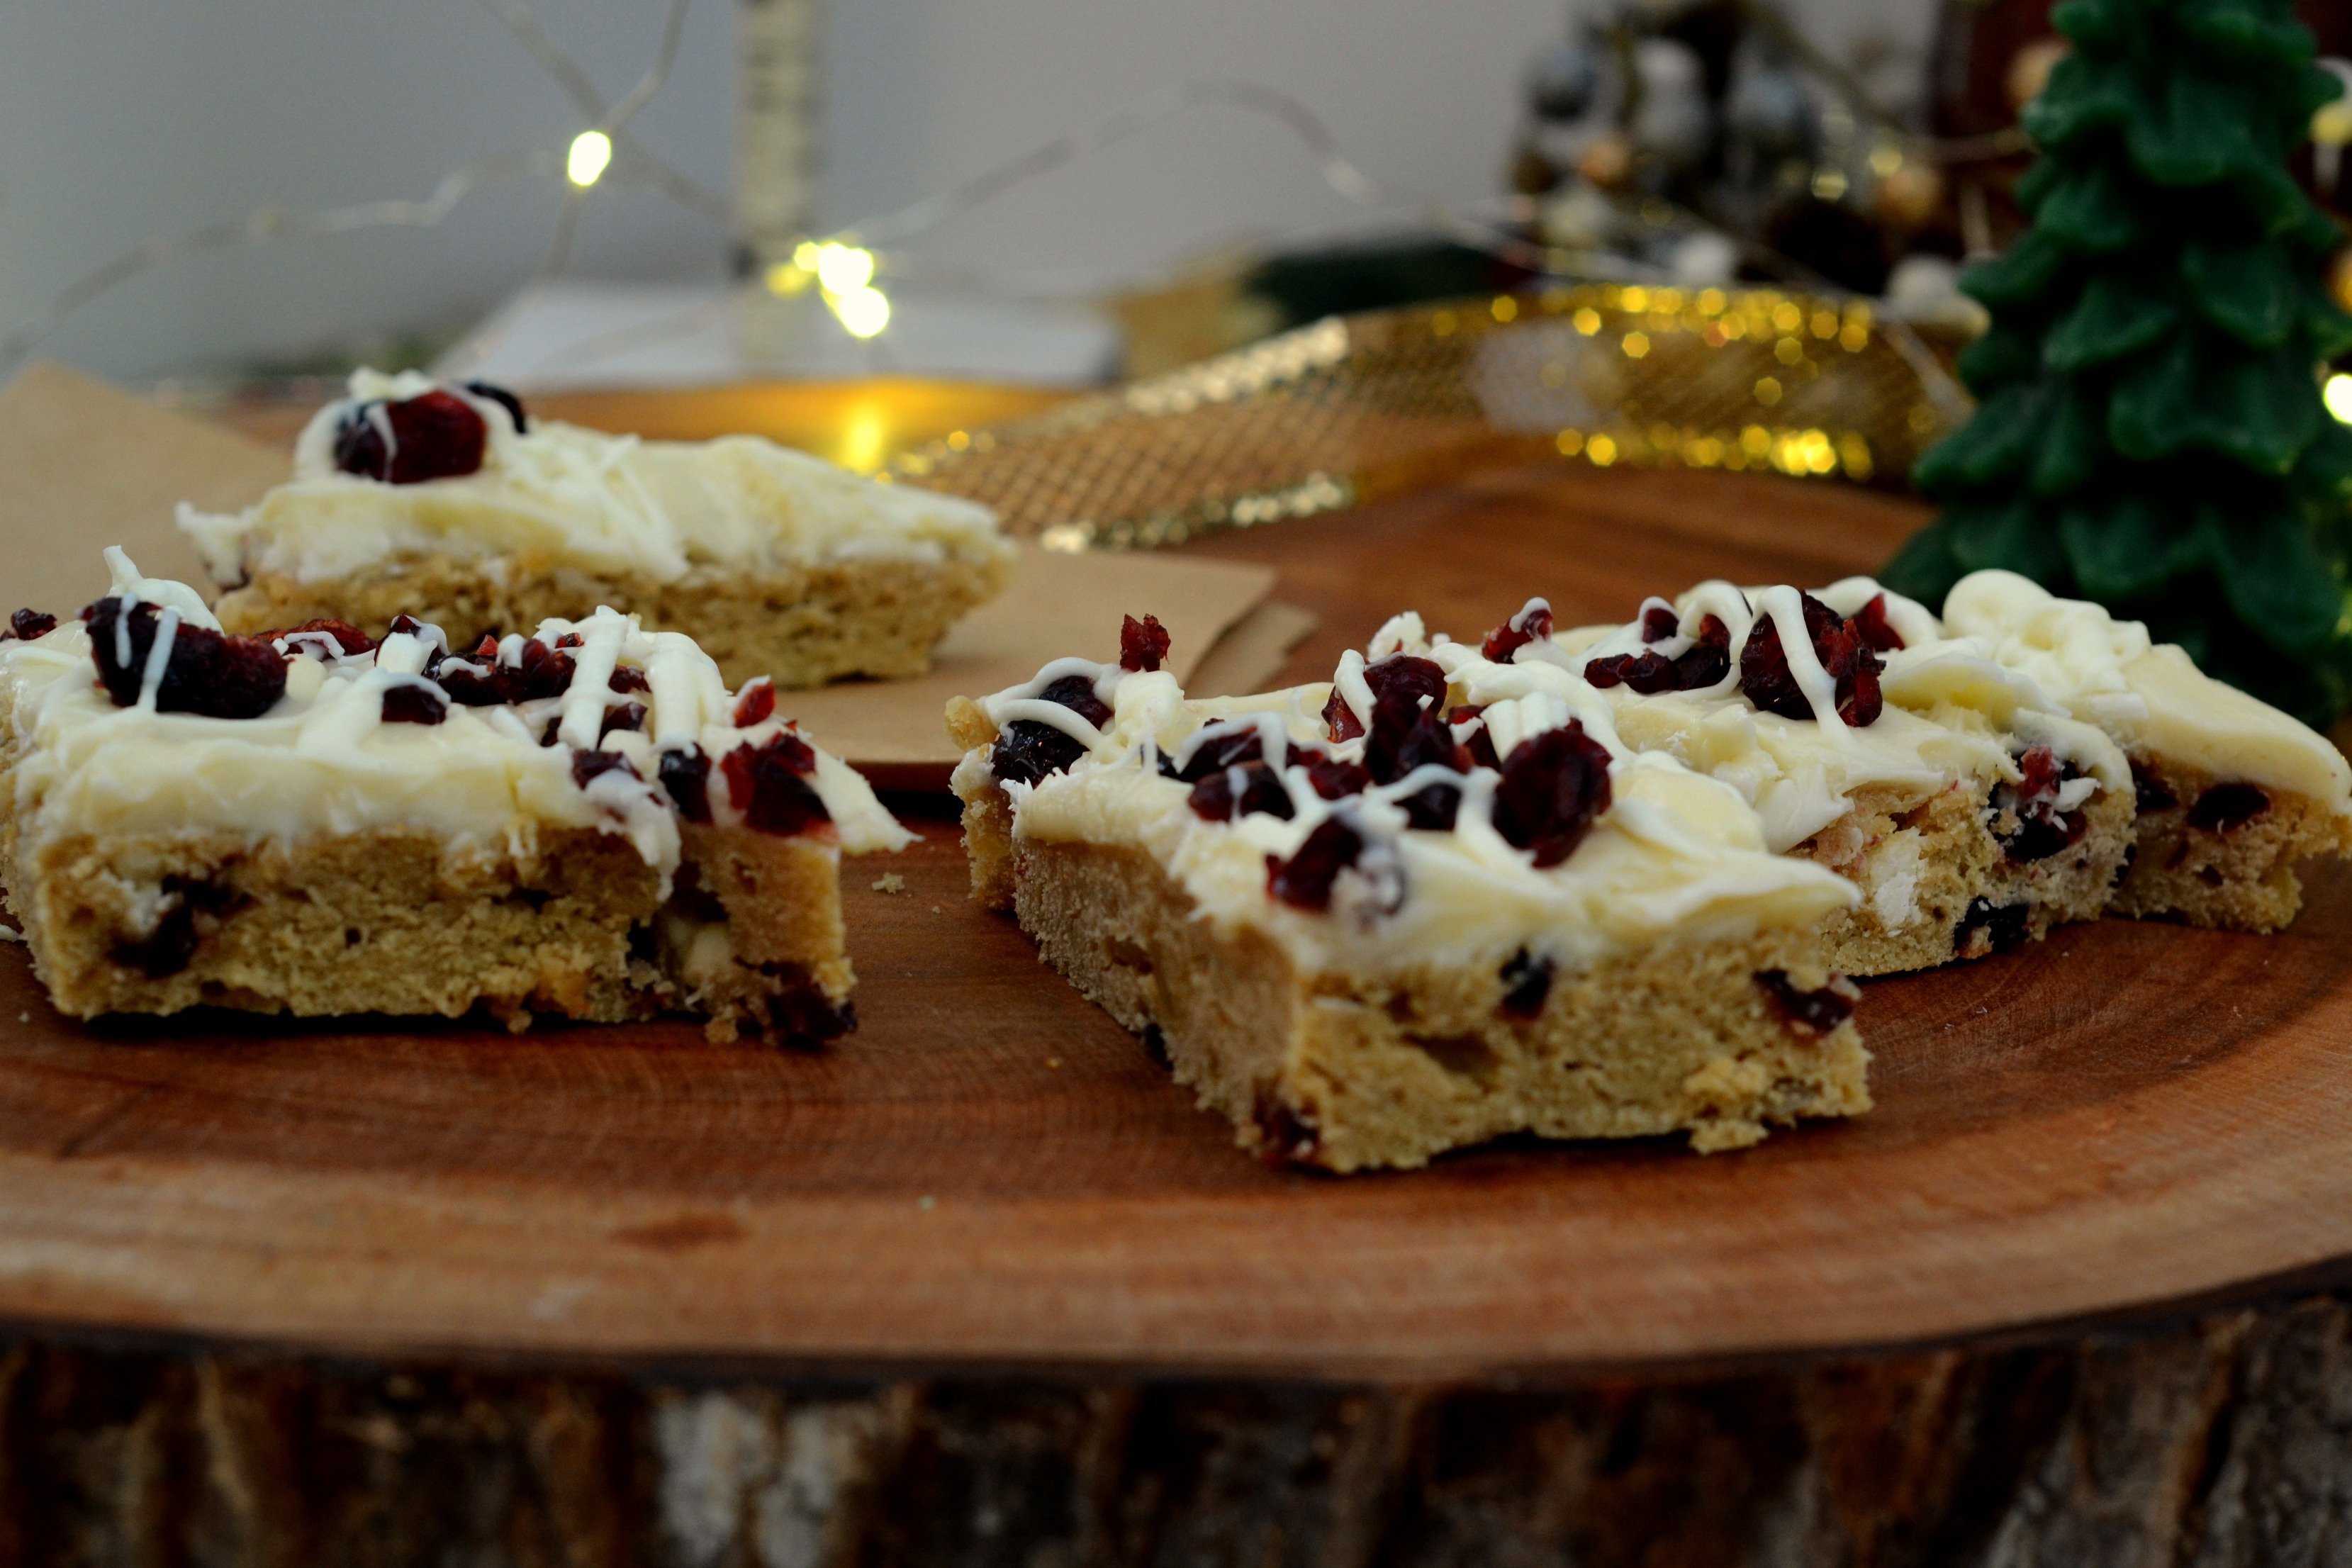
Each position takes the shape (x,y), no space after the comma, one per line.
(122,118)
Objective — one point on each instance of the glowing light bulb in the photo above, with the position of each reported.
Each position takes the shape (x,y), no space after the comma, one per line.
(843,268)
(590,154)
(2338,395)
(864,310)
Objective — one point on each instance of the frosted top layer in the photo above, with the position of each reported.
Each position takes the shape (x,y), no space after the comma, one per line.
(620,724)
(2150,696)
(606,503)
(1672,856)
(1799,745)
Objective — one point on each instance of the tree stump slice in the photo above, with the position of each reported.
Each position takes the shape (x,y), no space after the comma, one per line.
(982,1286)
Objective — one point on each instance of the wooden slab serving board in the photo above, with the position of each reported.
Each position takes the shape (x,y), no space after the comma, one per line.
(991,1175)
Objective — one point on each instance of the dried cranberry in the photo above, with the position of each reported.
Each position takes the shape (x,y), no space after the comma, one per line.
(1815,1012)
(1076,693)
(1877,634)
(543,671)
(1478,743)
(1406,737)
(685,774)
(408,703)
(1333,779)
(1532,624)
(28,625)
(2147,790)
(1708,660)
(1303,881)
(1028,751)
(627,716)
(205,673)
(469,684)
(1141,644)
(1433,806)
(1339,720)
(587,766)
(1526,982)
(194,912)
(1421,680)
(1771,685)
(349,640)
(755,703)
(2042,830)
(1553,786)
(436,434)
(1284,1133)
(1216,747)
(572,640)
(1213,799)
(769,784)
(1648,672)
(2227,806)
(628,677)
(504,399)
(1659,622)
(2005,927)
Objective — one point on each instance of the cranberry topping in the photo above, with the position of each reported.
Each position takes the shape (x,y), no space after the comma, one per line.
(2226,806)
(1659,622)
(504,399)
(1028,750)
(1532,624)
(408,703)
(1478,743)
(28,625)
(2004,928)
(205,673)
(1526,982)
(627,716)
(1215,749)
(2147,790)
(1339,720)
(1421,680)
(481,679)
(1214,798)
(1877,633)
(685,774)
(436,434)
(1553,786)
(2043,829)
(1141,644)
(572,640)
(1303,881)
(587,766)
(1333,779)
(769,784)
(755,703)
(347,638)
(628,677)
(1406,736)
(1771,685)
(1648,672)
(1809,1011)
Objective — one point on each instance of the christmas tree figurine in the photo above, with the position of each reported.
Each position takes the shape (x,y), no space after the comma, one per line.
(2151,433)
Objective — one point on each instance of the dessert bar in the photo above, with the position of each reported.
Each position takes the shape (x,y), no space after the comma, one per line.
(452,504)
(1411,911)
(584,822)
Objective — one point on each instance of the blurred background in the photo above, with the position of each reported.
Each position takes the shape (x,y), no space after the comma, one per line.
(128,119)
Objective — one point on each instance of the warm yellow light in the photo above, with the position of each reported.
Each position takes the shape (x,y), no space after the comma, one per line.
(863,312)
(786,279)
(592,152)
(2338,393)
(843,268)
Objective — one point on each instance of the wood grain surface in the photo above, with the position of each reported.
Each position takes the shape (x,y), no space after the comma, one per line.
(990,1175)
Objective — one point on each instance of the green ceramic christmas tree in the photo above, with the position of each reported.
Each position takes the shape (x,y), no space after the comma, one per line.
(2151,433)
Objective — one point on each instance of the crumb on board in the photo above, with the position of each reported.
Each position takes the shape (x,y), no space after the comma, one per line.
(890,882)
(937,911)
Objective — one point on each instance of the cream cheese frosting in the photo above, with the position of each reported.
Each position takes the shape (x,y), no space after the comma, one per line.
(1951,709)
(2150,696)
(324,760)
(1676,855)
(607,503)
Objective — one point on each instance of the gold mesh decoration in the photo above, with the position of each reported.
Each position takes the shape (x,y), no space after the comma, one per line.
(1352,407)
